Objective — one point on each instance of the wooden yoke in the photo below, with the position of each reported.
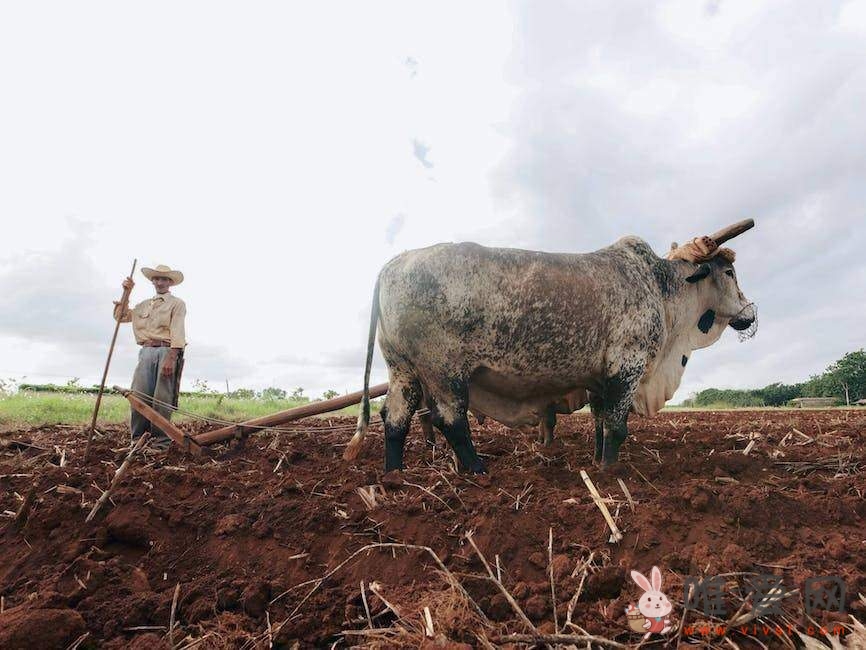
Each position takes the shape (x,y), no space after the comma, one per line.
(729,232)
(186,442)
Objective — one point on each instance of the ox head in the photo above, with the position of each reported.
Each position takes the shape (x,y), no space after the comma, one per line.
(716,283)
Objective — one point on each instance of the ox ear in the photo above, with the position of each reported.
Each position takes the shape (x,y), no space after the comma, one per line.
(702,272)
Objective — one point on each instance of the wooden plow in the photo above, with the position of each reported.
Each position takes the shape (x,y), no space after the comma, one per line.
(194,444)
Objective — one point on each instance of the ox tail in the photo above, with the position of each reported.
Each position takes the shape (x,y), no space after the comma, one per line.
(354,447)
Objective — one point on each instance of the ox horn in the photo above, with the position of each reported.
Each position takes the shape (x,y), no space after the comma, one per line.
(732,231)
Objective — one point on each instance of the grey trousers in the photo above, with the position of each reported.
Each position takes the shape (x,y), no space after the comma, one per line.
(150,383)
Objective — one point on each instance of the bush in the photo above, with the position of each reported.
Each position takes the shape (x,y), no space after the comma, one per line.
(779,394)
(273,393)
(721,397)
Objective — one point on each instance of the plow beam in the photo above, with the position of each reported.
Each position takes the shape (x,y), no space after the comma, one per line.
(181,439)
(283,417)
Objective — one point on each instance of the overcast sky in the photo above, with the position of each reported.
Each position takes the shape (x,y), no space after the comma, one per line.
(279,154)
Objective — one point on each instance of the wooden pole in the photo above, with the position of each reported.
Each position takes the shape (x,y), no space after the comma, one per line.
(282,417)
(184,441)
(124,299)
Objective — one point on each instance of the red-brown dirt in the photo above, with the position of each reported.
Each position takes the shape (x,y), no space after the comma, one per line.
(245,533)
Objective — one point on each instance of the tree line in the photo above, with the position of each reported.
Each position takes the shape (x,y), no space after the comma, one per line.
(844,380)
(201,388)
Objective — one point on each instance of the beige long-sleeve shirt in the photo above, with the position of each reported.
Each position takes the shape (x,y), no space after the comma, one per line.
(160,318)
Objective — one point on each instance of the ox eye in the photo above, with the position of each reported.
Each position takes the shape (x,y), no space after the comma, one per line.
(729,273)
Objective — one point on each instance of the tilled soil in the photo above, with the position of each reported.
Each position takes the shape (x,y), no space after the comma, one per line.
(249,534)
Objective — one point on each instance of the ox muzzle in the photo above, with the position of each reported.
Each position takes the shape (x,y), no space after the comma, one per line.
(746,321)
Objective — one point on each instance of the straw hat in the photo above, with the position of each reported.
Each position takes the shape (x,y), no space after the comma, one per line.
(163,271)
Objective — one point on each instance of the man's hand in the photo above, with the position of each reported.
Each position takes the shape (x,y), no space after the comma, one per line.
(128,284)
(170,362)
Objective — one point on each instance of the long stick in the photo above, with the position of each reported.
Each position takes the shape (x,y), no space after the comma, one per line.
(124,299)
(139,444)
(283,417)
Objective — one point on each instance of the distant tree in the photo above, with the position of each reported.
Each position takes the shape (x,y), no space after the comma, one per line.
(243,393)
(779,394)
(298,395)
(819,386)
(73,383)
(273,393)
(329,394)
(849,375)
(728,397)
(201,386)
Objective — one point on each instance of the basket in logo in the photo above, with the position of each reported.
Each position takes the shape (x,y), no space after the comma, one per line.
(635,619)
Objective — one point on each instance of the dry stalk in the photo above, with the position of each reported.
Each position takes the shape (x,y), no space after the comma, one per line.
(141,443)
(376,588)
(552,581)
(74,645)
(615,532)
(270,630)
(451,579)
(24,510)
(573,602)
(514,606)
(453,489)
(172,615)
(648,482)
(624,488)
(428,623)
(366,606)
(428,491)
(370,495)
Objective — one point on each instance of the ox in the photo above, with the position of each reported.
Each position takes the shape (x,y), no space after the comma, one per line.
(511,333)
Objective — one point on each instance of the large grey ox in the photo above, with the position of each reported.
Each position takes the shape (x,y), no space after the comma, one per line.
(509,332)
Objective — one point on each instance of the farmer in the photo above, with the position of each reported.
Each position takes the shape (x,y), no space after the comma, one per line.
(158,326)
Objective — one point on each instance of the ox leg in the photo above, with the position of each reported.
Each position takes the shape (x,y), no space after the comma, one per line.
(427,427)
(596,405)
(457,435)
(617,403)
(548,424)
(451,416)
(400,404)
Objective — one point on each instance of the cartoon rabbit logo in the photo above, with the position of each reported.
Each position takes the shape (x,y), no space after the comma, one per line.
(653,606)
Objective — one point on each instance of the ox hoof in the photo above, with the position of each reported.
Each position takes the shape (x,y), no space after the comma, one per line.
(614,469)
(483,480)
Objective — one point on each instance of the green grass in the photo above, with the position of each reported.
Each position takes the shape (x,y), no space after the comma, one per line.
(29,408)
(43,408)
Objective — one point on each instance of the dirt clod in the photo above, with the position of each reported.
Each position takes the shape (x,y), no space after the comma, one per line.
(23,628)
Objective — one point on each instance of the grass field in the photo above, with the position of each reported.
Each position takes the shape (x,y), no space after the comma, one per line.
(29,408)
(44,408)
